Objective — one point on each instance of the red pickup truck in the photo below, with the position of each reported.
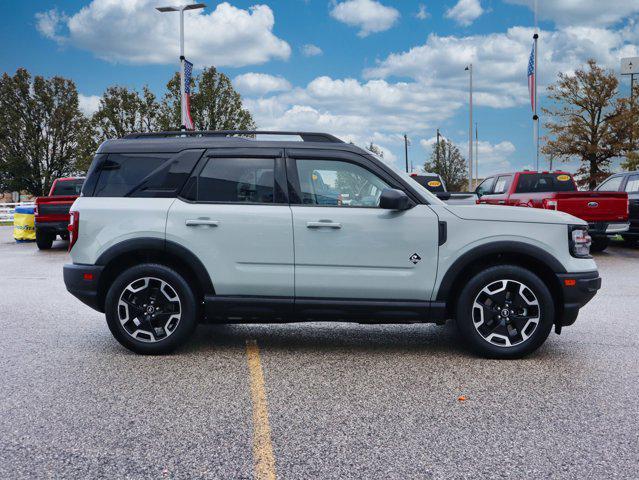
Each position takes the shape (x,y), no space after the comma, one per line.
(605,212)
(52,211)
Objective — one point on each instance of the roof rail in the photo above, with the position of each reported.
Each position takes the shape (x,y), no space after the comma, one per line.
(305,136)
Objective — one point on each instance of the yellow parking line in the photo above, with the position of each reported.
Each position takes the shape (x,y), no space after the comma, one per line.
(262,448)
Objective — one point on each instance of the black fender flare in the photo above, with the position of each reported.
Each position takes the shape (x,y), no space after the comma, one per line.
(501,247)
(158,244)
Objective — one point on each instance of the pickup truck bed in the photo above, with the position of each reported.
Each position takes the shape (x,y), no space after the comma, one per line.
(52,211)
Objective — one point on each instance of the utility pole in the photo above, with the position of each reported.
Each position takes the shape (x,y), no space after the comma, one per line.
(476,157)
(181,9)
(406,151)
(437,148)
(630,66)
(470,126)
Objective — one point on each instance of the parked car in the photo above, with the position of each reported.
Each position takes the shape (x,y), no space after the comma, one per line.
(626,182)
(605,212)
(434,183)
(52,211)
(176,228)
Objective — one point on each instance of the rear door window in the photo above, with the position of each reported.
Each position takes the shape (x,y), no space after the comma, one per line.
(237,180)
(501,185)
(120,173)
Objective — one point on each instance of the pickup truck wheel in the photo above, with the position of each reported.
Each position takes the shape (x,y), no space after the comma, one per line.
(150,309)
(44,240)
(599,243)
(505,311)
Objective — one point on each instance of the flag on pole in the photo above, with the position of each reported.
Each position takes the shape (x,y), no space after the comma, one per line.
(531,78)
(187,121)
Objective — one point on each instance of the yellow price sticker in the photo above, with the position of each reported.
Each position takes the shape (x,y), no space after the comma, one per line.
(563,178)
(434,183)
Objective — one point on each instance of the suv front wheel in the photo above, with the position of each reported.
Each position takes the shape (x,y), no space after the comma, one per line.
(505,312)
(151,309)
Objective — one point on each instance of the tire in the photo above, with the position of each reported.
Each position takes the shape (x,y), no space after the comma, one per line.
(44,240)
(629,241)
(145,290)
(599,243)
(523,299)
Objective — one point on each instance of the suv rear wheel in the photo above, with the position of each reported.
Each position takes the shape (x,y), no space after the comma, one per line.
(151,309)
(505,312)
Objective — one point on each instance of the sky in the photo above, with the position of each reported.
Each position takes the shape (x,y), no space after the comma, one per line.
(364,70)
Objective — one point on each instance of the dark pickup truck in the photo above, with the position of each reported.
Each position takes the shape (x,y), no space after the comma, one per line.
(626,182)
(606,212)
(52,211)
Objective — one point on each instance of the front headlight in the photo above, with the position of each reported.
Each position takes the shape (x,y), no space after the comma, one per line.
(579,241)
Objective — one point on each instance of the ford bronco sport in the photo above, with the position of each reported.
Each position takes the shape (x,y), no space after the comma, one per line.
(175,228)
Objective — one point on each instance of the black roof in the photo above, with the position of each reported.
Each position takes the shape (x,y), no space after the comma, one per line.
(175,141)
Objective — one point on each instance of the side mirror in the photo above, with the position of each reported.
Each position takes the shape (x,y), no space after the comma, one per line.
(443,195)
(392,199)
(477,192)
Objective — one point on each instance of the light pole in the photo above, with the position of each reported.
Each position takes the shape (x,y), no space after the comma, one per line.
(470,127)
(181,9)
(406,144)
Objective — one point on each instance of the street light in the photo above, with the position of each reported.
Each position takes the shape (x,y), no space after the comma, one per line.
(469,68)
(181,9)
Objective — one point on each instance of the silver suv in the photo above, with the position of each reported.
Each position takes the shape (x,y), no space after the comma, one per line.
(173,229)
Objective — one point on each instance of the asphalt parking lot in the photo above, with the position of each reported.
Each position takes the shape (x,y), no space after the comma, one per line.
(338,400)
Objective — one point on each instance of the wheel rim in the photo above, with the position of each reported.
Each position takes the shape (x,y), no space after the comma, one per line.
(149,309)
(506,313)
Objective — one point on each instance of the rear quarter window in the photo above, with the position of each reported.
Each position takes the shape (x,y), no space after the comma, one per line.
(119,172)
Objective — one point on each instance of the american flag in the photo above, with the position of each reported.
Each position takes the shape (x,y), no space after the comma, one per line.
(187,121)
(531,77)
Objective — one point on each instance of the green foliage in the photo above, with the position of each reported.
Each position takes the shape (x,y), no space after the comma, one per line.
(215,105)
(447,161)
(43,134)
(42,131)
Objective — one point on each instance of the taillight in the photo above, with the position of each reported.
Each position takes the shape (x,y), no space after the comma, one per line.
(550,204)
(74,228)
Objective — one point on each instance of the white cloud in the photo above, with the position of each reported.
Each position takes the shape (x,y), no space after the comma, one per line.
(583,12)
(465,12)
(422,13)
(500,60)
(310,50)
(369,16)
(88,104)
(134,32)
(48,23)
(260,83)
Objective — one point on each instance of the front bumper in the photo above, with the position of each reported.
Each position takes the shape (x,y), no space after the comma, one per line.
(82,282)
(608,228)
(577,290)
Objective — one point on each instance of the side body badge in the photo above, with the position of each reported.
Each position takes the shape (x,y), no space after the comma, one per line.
(415,258)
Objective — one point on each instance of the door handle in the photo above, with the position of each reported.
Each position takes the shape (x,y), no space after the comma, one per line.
(202,221)
(323,224)
(501,202)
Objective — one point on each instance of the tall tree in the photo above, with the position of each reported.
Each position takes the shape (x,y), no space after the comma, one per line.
(588,122)
(42,131)
(631,162)
(124,111)
(215,105)
(447,161)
